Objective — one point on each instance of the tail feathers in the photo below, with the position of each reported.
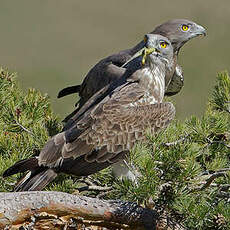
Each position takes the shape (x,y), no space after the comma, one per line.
(36,181)
(69,90)
(22,166)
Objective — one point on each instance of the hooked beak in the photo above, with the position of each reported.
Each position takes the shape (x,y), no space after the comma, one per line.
(200,30)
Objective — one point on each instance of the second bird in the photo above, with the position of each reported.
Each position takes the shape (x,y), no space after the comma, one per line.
(178,31)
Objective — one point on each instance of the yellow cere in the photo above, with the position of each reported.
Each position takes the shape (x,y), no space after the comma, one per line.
(185,27)
(163,45)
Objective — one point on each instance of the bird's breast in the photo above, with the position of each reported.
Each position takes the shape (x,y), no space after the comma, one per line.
(153,81)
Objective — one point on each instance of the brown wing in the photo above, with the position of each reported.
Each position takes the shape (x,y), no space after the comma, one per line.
(98,78)
(110,128)
(103,73)
(95,81)
(93,101)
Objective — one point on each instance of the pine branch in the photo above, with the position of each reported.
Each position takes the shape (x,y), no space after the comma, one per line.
(22,127)
(211,177)
(181,140)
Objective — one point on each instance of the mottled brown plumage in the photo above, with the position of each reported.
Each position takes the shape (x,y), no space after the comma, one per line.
(110,68)
(109,124)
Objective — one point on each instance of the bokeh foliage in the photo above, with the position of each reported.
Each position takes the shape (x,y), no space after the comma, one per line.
(183,172)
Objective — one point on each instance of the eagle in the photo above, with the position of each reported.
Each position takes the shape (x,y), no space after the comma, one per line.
(107,127)
(178,31)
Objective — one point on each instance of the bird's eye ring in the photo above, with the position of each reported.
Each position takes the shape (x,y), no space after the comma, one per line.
(185,27)
(163,45)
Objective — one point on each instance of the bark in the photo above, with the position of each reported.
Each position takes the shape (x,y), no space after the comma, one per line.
(58,210)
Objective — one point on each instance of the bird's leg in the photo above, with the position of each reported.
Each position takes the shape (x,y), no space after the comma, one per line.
(124,170)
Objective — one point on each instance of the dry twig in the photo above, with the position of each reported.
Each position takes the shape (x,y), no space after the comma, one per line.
(22,127)
(210,178)
(181,140)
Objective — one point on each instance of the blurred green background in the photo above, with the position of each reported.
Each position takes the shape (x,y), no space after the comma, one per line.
(53,43)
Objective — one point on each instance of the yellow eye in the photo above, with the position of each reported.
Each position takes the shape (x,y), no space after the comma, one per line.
(185,27)
(164,45)
(145,39)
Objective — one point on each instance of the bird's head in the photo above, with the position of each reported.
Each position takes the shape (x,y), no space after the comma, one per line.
(158,49)
(179,31)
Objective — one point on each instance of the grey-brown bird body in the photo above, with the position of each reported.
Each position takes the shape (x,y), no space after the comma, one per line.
(109,124)
(110,68)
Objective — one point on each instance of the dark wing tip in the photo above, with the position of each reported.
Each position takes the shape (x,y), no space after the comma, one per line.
(21,166)
(7,173)
(69,90)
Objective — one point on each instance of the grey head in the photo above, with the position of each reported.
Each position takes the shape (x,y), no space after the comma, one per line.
(151,63)
(159,51)
(156,49)
(179,31)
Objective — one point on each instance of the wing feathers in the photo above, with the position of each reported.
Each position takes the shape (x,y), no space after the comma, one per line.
(112,126)
(22,166)
(52,150)
(76,149)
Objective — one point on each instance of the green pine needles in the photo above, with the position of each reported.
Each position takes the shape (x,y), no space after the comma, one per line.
(183,172)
